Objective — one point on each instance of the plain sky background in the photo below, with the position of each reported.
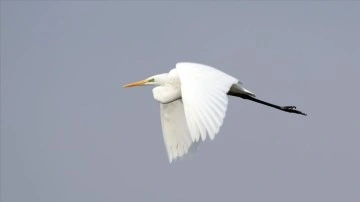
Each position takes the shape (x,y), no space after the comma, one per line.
(70,132)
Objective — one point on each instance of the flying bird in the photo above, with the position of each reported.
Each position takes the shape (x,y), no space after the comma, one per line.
(193,101)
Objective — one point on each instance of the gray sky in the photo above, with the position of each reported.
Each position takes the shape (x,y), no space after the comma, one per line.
(70,133)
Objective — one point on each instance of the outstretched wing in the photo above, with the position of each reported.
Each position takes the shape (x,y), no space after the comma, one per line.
(204,95)
(175,131)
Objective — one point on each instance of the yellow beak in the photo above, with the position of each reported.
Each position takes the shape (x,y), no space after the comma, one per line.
(137,83)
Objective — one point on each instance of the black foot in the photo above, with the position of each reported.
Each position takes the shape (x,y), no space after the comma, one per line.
(292,109)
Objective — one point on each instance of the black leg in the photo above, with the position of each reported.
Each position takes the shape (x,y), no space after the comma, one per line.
(290,109)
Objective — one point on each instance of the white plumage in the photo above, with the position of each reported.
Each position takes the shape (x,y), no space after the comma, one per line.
(193,102)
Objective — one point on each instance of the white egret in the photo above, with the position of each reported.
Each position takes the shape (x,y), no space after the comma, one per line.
(193,102)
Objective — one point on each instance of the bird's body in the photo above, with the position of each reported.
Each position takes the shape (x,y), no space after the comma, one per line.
(193,102)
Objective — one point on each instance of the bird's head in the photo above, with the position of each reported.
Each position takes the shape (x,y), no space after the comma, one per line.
(155,80)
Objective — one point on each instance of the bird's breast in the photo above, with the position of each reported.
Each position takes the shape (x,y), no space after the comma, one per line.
(167,93)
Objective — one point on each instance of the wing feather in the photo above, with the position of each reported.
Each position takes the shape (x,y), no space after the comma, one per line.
(204,95)
(176,134)
(201,110)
